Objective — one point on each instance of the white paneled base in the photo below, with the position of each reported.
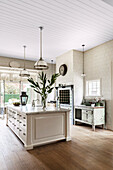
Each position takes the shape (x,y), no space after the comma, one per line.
(47,128)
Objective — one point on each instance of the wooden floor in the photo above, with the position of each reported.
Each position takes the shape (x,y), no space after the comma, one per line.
(88,150)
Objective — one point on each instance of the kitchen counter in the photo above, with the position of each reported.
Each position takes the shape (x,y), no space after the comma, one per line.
(28,109)
(35,126)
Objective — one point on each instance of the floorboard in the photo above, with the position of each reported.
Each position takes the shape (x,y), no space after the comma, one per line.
(88,150)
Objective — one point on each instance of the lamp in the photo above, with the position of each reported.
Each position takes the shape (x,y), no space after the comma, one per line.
(24,72)
(41,64)
(83,74)
(24,98)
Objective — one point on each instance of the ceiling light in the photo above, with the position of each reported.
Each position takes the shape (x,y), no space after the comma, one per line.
(83,74)
(41,64)
(24,72)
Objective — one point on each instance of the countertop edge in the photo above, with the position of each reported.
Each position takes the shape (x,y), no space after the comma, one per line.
(54,110)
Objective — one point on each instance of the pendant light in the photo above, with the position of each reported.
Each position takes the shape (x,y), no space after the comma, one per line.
(52,72)
(41,64)
(83,74)
(24,72)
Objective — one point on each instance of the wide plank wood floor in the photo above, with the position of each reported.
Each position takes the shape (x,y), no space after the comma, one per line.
(88,150)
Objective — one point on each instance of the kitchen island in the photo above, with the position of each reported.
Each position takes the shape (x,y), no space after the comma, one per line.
(35,126)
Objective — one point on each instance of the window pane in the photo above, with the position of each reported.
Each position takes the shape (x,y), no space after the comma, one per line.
(93,88)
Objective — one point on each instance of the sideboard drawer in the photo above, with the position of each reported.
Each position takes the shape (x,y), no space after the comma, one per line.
(87,111)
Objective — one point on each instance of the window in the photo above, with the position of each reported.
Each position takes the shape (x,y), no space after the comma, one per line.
(12,91)
(93,88)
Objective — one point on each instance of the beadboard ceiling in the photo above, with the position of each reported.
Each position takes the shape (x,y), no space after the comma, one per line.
(67,25)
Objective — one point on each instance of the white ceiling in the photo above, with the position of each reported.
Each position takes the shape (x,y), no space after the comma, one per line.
(67,25)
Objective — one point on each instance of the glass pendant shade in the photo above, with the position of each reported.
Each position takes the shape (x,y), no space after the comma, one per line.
(24,73)
(83,75)
(41,64)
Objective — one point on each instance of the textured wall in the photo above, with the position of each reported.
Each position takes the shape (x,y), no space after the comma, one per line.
(74,61)
(77,79)
(98,66)
(66,58)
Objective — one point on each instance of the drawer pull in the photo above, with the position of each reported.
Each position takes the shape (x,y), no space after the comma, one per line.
(24,125)
(17,114)
(17,120)
(20,115)
(24,134)
(20,122)
(24,117)
(20,130)
(17,127)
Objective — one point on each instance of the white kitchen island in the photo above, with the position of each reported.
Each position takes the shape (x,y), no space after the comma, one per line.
(35,126)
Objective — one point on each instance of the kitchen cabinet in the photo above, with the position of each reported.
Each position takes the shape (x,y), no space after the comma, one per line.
(17,122)
(90,115)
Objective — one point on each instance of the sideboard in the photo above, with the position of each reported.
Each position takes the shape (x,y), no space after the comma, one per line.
(90,115)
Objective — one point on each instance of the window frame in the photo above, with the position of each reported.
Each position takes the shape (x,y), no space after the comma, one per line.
(87,92)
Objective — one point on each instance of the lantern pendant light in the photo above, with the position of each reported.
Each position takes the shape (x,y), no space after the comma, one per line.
(83,74)
(24,73)
(41,64)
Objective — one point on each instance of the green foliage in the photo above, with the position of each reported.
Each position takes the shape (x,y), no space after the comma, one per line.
(11,88)
(45,86)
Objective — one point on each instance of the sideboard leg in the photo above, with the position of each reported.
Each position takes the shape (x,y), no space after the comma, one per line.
(93,127)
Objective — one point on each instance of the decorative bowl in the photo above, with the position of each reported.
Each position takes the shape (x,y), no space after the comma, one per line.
(16,103)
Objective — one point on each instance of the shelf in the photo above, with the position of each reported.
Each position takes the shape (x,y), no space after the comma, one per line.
(81,121)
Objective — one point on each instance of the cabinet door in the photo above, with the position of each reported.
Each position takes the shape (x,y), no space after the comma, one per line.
(90,118)
(87,116)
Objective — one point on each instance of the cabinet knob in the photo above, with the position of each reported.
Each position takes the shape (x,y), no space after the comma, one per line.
(24,134)
(20,130)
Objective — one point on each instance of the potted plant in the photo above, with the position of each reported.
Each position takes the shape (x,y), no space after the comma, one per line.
(44,87)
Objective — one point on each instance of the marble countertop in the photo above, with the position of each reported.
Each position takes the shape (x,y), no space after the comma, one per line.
(28,109)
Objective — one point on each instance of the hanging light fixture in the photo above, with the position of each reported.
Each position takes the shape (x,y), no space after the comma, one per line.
(83,74)
(24,72)
(41,64)
(52,66)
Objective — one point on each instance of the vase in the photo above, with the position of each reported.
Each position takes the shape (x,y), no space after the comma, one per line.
(44,103)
